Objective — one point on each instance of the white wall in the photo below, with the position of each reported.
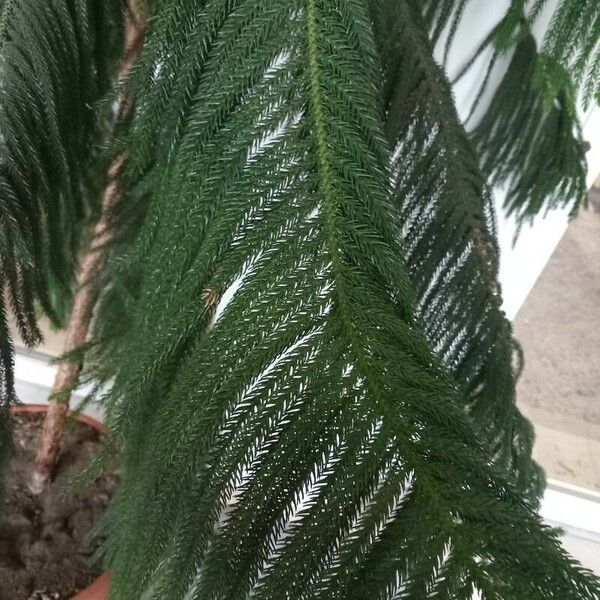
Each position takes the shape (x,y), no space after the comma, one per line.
(521,264)
(577,512)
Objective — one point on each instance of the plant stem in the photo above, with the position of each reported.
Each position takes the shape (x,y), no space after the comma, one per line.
(92,262)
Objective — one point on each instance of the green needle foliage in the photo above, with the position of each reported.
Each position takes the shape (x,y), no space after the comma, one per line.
(530,140)
(450,241)
(56,58)
(573,40)
(438,14)
(285,430)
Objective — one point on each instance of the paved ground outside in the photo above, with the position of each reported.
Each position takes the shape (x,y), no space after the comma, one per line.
(559,329)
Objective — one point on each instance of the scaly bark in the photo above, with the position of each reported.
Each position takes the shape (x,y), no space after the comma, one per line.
(91,264)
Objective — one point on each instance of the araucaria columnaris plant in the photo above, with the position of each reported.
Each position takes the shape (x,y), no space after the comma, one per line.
(286,430)
(311,380)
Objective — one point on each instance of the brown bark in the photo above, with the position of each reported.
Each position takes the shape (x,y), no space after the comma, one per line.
(92,262)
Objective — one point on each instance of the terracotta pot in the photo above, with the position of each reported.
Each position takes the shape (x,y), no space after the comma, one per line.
(99,589)
(42,408)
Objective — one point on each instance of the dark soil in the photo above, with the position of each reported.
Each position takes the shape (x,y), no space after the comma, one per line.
(45,553)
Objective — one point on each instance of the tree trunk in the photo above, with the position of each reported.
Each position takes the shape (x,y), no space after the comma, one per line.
(92,262)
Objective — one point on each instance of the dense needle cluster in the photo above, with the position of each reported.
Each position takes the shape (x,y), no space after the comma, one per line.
(443,196)
(296,437)
(312,388)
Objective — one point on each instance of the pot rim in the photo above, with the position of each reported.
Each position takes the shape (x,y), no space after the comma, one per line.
(97,590)
(42,408)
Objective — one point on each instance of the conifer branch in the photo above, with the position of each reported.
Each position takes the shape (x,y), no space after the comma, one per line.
(450,241)
(530,139)
(573,40)
(299,439)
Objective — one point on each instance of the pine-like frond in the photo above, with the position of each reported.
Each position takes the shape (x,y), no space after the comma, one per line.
(573,40)
(55,59)
(450,240)
(439,14)
(54,63)
(529,139)
(442,18)
(286,431)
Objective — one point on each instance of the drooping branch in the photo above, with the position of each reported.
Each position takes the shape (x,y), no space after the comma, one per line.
(308,443)
(450,239)
(56,61)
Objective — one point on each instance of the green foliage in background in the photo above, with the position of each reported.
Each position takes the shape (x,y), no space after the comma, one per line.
(56,60)
(573,40)
(529,139)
